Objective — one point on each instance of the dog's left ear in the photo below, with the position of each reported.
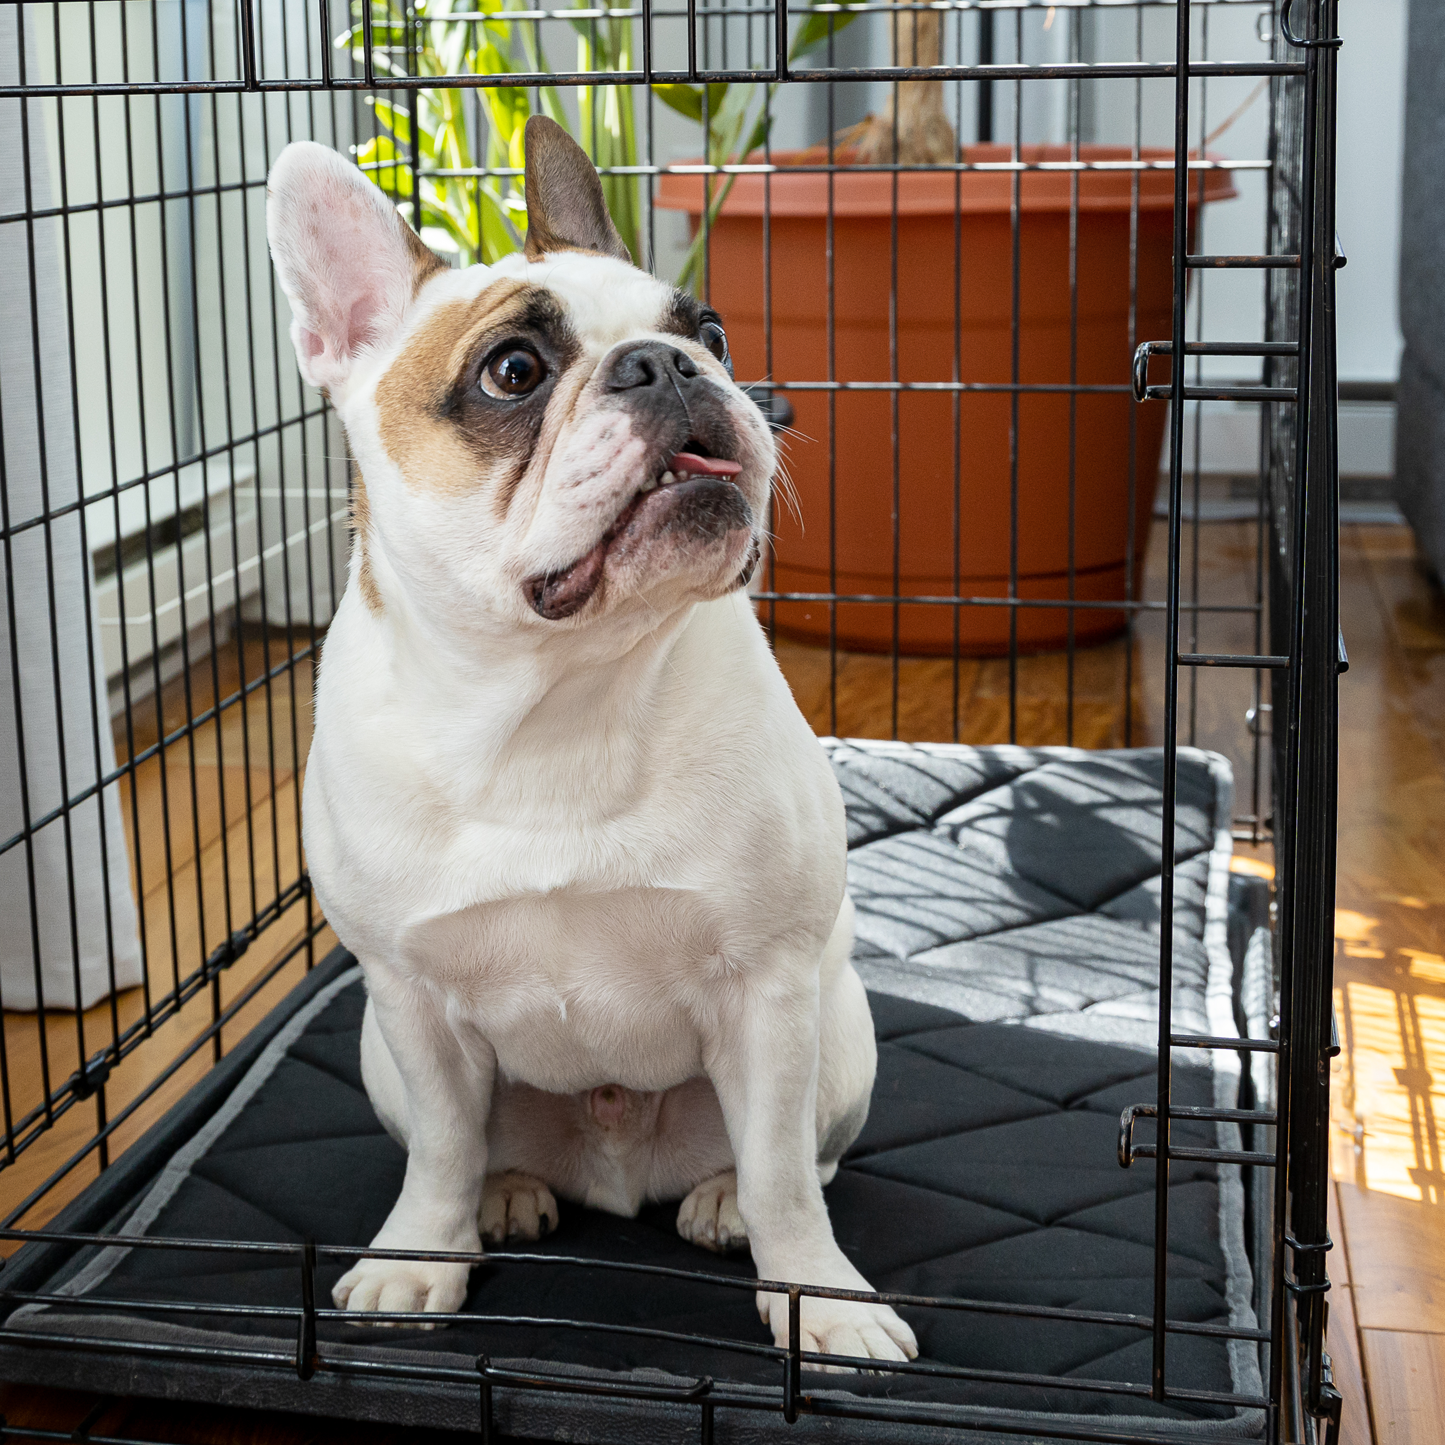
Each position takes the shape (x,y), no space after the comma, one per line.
(347,262)
(566,210)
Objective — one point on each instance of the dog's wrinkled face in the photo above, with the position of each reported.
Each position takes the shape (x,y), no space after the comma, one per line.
(545,443)
(591,407)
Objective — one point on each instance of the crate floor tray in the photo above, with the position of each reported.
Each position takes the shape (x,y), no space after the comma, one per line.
(1008,932)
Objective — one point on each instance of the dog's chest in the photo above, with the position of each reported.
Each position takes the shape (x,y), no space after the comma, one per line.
(578,990)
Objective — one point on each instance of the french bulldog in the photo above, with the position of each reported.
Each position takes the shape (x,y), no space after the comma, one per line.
(560,802)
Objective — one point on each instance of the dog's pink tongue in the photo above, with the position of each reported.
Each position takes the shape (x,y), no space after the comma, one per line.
(696,466)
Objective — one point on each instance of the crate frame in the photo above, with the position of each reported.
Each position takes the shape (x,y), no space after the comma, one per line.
(1295,614)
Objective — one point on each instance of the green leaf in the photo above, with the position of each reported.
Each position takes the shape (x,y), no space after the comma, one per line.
(484,218)
(389,167)
(465,242)
(815,30)
(499,236)
(552,106)
(397,120)
(735,102)
(394,117)
(508,105)
(686,100)
(589,29)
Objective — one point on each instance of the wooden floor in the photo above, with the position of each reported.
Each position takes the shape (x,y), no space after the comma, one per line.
(230,791)
(1387,1328)
(1389,1084)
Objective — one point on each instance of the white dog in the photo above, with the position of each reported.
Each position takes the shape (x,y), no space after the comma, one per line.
(560,802)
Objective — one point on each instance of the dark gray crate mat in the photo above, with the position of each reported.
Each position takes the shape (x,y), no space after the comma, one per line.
(986,1170)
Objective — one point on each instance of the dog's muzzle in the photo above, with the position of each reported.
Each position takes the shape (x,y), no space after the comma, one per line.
(693,496)
(710,507)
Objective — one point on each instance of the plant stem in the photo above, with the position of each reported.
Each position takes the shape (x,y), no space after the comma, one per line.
(691,273)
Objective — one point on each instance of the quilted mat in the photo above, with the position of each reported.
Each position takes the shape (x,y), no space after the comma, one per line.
(1008,931)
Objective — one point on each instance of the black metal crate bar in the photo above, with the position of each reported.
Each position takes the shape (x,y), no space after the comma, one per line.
(180,466)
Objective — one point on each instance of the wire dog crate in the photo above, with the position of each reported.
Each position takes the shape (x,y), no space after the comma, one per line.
(173,508)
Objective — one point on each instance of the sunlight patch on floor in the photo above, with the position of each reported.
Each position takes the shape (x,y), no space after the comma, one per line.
(1388,1096)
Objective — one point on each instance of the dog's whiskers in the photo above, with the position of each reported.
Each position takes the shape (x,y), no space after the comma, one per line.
(787,489)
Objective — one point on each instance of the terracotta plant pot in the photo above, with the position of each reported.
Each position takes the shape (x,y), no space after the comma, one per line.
(952,493)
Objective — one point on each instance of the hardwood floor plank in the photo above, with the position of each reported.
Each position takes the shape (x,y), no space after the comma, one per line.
(1392,729)
(1407,1386)
(1387,1096)
(219,795)
(1397,1260)
(175,938)
(1343,1339)
(74,1129)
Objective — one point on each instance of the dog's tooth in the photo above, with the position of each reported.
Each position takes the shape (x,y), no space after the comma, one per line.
(649,484)
(668,479)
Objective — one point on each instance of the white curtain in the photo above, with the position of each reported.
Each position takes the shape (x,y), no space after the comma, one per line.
(67,918)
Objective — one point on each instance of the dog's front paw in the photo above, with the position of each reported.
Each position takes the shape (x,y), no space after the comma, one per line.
(841,1327)
(709,1216)
(397,1286)
(516,1206)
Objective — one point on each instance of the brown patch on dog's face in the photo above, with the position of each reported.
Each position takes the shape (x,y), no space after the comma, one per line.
(438,423)
(360,536)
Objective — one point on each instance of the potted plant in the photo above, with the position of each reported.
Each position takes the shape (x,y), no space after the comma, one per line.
(942,461)
(470,203)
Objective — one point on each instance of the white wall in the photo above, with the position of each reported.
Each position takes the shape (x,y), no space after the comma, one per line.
(175,318)
(1371,140)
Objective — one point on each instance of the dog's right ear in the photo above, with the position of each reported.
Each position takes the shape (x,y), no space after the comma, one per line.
(566,209)
(348,263)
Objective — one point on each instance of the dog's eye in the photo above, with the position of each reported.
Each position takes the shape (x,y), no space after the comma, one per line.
(712,336)
(513,373)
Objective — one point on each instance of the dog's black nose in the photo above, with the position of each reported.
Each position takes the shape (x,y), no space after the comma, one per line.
(649,363)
